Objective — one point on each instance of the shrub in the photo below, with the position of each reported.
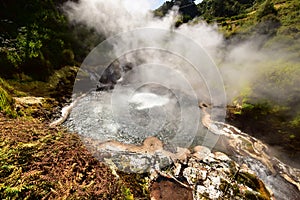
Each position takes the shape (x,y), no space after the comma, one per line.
(265,9)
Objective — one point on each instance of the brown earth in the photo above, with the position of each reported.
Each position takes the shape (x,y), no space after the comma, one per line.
(168,190)
(38,162)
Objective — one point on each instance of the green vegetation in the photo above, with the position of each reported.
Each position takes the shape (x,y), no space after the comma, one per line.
(39,50)
(39,40)
(270,110)
(278,18)
(212,9)
(253,182)
(187,8)
(6,101)
(59,86)
(30,40)
(267,8)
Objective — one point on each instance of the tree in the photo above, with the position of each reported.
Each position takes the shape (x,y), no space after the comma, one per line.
(265,9)
(33,36)
(267,18)
(187,8)
(223,8)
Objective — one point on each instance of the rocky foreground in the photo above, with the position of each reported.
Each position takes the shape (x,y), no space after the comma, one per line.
(216,176)
(38,162)
(199,174)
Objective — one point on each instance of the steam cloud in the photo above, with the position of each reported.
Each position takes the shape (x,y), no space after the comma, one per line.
(239,64)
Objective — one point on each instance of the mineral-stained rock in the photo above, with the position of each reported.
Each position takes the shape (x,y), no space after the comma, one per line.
(216,176)
(177,175)
(201,152)
(132,158)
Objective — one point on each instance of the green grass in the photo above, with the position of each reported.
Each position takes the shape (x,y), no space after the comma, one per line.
(288,12)
(6,101)
(10,89)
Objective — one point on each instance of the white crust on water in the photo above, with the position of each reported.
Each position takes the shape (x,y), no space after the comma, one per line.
(65,112)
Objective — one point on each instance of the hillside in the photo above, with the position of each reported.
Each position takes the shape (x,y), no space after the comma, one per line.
(278,19)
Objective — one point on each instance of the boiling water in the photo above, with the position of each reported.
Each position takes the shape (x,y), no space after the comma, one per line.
(103,116)
(148,100)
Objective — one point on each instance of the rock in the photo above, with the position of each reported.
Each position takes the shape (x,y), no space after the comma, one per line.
(181,154)
(182,175)
(37,107)
(30,101)
(221,156)
(201,152)
(105,87)
(132,158)
(218,177)
(214,176)
(113,74)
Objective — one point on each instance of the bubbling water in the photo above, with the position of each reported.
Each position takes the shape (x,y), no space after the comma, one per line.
(148,100)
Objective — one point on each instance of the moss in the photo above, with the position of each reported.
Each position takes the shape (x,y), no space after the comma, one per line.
(30,87)
(6,103)
(236,189)
(292,136)
(247,179)
(127,194)
(223,185)
(62,81)
(135,184)
(253,196)
(254,183)
(295,122)
(10,89)
(248,144)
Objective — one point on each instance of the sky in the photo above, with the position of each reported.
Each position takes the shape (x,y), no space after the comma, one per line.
(156,3)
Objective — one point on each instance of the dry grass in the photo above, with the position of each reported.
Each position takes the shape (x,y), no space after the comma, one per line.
(37,162)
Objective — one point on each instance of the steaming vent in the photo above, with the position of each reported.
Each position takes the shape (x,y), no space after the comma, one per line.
(152,110)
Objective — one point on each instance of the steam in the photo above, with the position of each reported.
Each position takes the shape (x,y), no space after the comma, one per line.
(239,64)
(113,17)
(117,16)
(148,100)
